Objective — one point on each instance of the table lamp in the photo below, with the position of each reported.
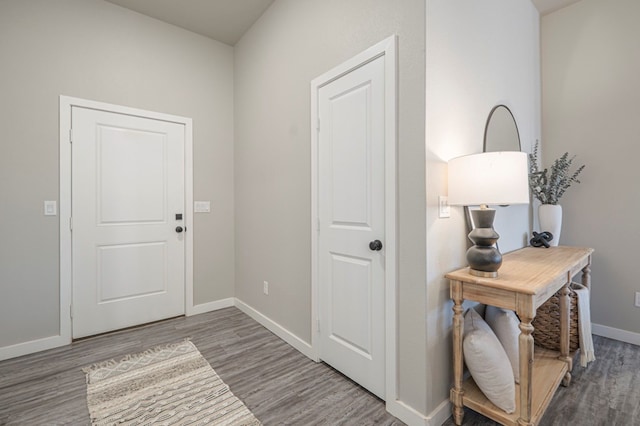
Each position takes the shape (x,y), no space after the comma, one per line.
(489,178)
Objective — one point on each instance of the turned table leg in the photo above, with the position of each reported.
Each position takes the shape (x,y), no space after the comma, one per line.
(525,342)
(586,275)
(564,332)
(457,393)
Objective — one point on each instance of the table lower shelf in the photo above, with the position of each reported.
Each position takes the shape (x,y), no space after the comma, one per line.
(548,372)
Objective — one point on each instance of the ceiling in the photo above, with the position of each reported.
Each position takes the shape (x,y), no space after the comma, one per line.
(547,6)
(222,20)
(228,20)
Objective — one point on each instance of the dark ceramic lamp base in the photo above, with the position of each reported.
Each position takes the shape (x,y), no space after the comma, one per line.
(484,258)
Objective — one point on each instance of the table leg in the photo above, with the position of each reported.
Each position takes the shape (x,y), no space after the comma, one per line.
(525,342)
(564,332)
(457,393)
(586,275)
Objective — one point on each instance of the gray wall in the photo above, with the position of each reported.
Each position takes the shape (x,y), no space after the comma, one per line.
(292,43)
(479,54)
(95,50)
(591,108)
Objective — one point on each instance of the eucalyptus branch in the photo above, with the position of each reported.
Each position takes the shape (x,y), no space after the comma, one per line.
(549,186)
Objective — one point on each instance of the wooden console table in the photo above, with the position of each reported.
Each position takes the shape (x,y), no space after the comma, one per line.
(527,278)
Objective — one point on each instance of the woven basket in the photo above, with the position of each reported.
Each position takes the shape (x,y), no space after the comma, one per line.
(546,332)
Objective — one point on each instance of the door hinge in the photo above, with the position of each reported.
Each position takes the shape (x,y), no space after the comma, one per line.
(70,135)
(71,311)
(70,224)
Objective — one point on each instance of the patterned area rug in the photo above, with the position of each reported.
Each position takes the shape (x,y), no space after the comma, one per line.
(166,385)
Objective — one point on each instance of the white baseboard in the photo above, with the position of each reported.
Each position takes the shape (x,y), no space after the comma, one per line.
(412,417)
(441,414)
(32,346)
(406,414)
(210,306)
(293,340)
(616,334)
(43,344)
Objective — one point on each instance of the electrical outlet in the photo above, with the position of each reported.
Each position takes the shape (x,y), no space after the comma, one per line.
(265,287)
(50,208)
(637,299)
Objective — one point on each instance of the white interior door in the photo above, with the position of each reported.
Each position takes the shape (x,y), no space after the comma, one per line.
(128,254)
(351,211)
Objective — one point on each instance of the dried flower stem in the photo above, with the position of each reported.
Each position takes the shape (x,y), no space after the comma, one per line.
(549,186)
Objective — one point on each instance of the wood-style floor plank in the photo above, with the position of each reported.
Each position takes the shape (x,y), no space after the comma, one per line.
(606,393)
(282,386)
(277,383)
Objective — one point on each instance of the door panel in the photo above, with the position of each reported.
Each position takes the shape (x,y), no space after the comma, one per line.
(350,157)
(127,187)
(350,319)
(121,265)
(351,202)
(131,173)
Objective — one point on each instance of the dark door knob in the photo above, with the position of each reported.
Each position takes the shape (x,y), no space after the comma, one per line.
(179,229)
(375,245)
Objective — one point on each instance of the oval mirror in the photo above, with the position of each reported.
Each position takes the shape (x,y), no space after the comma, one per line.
(500,134)
(501,131)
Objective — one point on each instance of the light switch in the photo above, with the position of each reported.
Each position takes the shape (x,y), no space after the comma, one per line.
(201,206)
(444,210)
(50,208)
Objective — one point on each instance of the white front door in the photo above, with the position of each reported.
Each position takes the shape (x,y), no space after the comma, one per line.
(128,210)
(351,212)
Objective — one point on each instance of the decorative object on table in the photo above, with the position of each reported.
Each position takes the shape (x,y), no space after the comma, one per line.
(548,186)
(169,384)
(550,219)
(489,178)
(541,239)
(546,324)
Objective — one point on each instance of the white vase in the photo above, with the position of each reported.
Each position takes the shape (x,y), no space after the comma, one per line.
(550,217)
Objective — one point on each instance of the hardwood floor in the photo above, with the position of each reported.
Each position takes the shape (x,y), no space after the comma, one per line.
(282,386)
(277,383)
(606,393)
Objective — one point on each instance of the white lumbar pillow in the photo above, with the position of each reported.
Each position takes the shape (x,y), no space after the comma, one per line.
(506,327)
(486,359)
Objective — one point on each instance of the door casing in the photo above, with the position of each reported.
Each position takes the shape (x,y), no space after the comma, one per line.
(66,103)
(387,49)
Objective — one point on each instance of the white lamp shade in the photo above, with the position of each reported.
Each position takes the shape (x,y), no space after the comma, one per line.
(491,178)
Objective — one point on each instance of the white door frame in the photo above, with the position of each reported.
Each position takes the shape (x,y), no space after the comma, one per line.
(66,103)
(387,49)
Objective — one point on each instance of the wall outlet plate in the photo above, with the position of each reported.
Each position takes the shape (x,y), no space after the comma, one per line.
(637,299)
(265,287)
